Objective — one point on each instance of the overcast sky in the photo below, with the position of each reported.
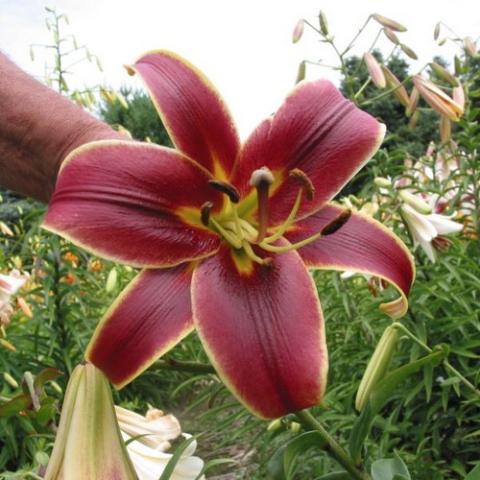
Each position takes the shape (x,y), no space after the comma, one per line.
(243,46)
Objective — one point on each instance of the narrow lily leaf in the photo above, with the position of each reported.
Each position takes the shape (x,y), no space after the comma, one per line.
(473,474)
(191,109)
(15,405)
(381,394)
(362,245)
(122,200)
(263,331)
(179,451)
(283,462)
(390,469)
(46,375)
(149,317)
(317,131)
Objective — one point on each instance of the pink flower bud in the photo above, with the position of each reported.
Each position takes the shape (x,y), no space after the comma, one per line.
(374,69)
(298,31)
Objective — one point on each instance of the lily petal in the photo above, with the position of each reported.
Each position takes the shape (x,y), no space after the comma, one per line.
(443,225)
(191,109)
(363,245)
(122,200)
(263,330)
(148,318)
(317,131)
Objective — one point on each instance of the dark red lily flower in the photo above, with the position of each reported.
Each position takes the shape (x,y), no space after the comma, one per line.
(237,226)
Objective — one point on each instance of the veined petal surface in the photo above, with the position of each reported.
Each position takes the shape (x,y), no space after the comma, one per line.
(149,318)
(317,131)
(362,245)
(263,331)
(191,109)
(124,200)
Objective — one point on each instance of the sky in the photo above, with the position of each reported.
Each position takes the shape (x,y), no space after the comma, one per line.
(244,46)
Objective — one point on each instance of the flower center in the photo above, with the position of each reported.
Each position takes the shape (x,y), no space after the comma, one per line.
(251,237)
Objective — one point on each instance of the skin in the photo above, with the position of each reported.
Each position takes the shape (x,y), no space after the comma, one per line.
(38,129)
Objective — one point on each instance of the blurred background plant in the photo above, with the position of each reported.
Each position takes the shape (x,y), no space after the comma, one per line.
(419,407)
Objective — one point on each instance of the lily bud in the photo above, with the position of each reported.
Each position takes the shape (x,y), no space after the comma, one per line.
(298,31)
(389,23)
(274,425)
(323,23)
(374,69)
(443,74)
(5,229)
(393,82)
(445,129)
(390,34)
(415,201)
(458,95)
(302,70)
(470,46)
(409,52)
(377,366)
(10,380)
(438,99)
(382,182)
(111,280)
(294,427)
(413,102)
(88,445)
(436,31)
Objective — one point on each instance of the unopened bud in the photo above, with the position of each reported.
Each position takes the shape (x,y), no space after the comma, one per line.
(389,23)
(445,129)
(7,345)
(458,95)
(323,23)
(302,70)
(415,202)
(5,229)
(413,120)
(111,280)
(374,70)
(413,102)
(393,82)
(382,182)
(377,366)
(470,46)
(392,36)
(436,31)
(298,31)
(443,74)
(10,380)
(130,70)
(294,427)
(24,307)
(458,65)
(408,51)
(438,99)
(274,425)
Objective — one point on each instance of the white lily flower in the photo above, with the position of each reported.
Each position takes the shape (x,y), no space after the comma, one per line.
(9,285)
(425,228)
(148,452)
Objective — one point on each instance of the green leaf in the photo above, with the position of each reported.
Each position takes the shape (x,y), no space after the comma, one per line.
(473,474)
(175,458)
(15,405)
(282,464)
(46,375)
(381,394)
(390,469)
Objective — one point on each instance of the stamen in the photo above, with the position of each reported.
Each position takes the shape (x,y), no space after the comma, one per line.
(288,222)
(305,181)
(226,188)
(229,236)
(261,179)
(248,229)
(291,246)
(253,256)
(337,223)
(205,212)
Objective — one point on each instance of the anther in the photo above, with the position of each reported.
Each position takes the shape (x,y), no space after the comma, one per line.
(226,188)
(261,179)
(337,223)
(205,212)
(304,180)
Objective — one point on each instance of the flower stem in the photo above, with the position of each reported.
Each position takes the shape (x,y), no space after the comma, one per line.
(331,446)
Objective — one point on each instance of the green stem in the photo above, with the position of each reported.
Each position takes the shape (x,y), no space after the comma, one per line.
(194,367)
(331,446)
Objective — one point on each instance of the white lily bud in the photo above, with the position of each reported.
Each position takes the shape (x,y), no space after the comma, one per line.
(415,201)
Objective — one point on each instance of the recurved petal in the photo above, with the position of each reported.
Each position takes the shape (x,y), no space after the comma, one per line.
(191,109)
(317,131)
(149,318)
(362,245)
(263,330)
(128,202)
